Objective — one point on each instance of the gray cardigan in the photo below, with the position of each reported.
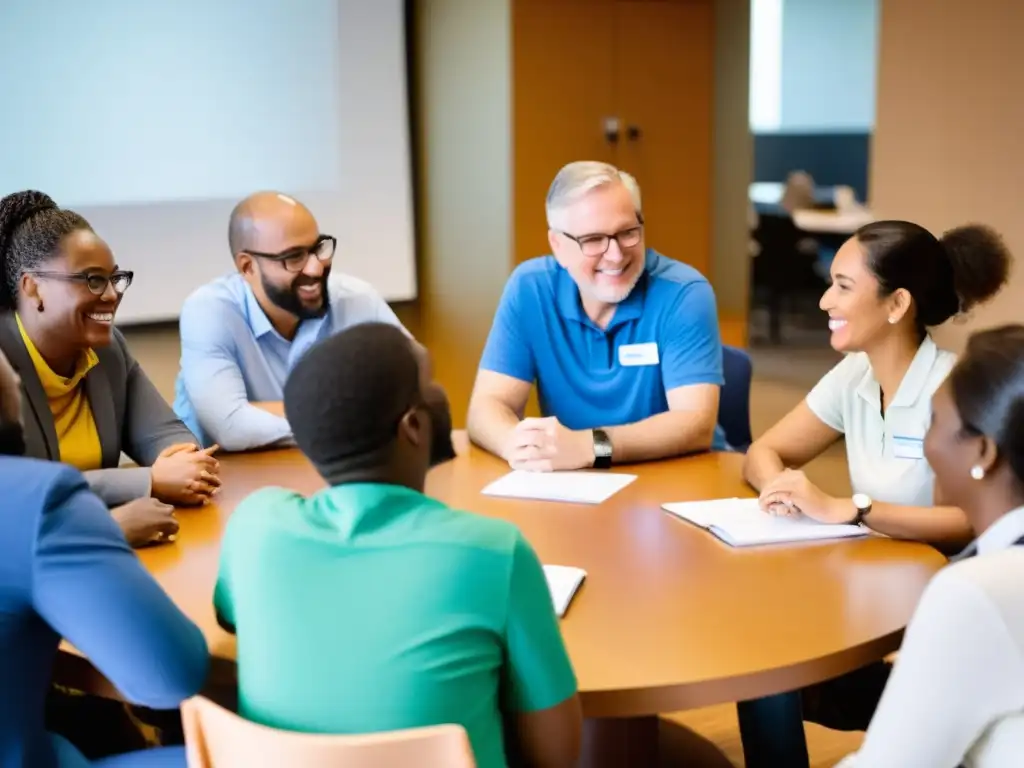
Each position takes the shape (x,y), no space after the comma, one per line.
(130,415)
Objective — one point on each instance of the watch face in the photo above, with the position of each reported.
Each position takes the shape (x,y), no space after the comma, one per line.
(602,445)
(861,500)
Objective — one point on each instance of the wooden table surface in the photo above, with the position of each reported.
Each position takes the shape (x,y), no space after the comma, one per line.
(669,618)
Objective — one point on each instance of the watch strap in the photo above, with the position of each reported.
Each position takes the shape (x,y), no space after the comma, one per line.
(862,512)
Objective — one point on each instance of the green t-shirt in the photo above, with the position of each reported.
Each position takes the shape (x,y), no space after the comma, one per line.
(373,607)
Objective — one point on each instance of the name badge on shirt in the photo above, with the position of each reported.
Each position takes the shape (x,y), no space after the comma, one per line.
(906,447)
(638,354)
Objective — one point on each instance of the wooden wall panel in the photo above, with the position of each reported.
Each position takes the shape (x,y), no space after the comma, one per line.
(664,78)
(561,81)
(649,63)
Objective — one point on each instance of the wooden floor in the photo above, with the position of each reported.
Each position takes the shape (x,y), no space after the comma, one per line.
(781,378)
(717,742)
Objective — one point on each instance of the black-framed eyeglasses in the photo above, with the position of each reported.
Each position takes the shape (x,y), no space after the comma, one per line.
(295,259)
(96,282)
(595,245)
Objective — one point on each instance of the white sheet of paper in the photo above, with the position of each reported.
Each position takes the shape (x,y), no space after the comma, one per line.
(563,581)
(573,487)
(741,523)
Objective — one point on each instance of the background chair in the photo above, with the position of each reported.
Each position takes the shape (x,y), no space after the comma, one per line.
(785,275)
(218,738)
(734,400)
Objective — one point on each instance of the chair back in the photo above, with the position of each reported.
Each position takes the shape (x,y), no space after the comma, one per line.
(218,738)
(734,400)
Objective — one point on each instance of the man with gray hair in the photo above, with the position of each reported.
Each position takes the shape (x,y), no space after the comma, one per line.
(621,341)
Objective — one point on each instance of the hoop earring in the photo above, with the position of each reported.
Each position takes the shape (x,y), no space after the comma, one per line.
(978,472)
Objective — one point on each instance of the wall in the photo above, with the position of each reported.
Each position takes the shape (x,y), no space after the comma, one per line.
(463,150)
(947,146)
(732,159)
(812,93)
(814,65)
(828,65)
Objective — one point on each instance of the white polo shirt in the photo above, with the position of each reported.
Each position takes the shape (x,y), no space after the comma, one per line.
(956,694)
(885,455)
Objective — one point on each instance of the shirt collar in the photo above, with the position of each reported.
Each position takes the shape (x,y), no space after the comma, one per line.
(358,509)
(914,380)
(260,324)
(1003,533)
(570,306)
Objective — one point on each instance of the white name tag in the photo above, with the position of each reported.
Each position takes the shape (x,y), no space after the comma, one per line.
(906,447)
(638,354)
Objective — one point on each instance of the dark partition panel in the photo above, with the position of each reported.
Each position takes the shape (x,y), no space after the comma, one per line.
(831,158)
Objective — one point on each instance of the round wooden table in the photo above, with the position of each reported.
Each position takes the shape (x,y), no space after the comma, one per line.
(668,618)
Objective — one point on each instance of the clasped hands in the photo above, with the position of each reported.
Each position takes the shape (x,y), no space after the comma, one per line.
(183,474)
(546,445)
(791,493)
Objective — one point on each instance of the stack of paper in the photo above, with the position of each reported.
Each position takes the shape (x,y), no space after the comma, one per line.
(563,581)
(573,487)
(742,523)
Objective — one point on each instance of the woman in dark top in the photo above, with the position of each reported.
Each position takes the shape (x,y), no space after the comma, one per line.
(85,398)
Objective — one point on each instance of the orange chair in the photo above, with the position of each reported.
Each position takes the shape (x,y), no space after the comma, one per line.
(218,738)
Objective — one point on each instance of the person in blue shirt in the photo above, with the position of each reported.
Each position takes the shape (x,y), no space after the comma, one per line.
(622,342)
(242,333)
(68,572)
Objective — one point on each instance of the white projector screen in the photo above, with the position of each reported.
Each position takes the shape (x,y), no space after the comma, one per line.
(153,119)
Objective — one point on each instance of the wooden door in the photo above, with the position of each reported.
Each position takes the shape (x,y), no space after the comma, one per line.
(664,78)
(562,54)
(648,63)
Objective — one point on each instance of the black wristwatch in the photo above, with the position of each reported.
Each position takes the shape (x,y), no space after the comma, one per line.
(602,450)
(862,503)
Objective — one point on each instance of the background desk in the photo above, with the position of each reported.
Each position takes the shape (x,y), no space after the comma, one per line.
(832,222)
(668,618)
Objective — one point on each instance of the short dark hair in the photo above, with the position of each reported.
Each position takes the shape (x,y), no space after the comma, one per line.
(987,384)
(346,396)
(945,277)
(31,228)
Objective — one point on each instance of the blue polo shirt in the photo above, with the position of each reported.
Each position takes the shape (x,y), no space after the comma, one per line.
(662,336)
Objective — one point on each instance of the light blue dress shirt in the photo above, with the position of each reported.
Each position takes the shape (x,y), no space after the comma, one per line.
(232,356)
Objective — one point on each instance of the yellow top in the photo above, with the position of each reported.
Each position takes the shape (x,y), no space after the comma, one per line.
(77,437)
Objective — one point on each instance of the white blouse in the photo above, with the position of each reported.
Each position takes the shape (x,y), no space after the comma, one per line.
(885,454)
(956,694)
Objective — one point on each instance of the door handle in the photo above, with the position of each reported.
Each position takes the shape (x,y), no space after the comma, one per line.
(612,127)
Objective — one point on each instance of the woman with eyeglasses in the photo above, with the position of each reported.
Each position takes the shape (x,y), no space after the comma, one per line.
(956,693)
(86,399)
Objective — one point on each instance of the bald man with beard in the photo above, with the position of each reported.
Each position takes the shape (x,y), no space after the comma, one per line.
(242,333)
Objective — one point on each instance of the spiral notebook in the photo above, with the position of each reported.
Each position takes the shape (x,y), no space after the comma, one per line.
(563,581)
(742,523)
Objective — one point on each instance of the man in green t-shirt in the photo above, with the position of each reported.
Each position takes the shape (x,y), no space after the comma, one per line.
(372,607)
